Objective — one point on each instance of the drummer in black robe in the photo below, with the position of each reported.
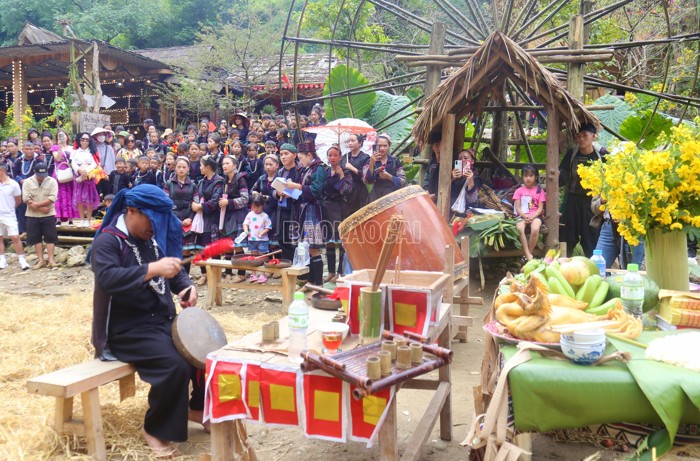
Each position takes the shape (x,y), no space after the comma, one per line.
(136,261)
(337,188)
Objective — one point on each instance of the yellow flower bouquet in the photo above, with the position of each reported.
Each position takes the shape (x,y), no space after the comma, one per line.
(651,192)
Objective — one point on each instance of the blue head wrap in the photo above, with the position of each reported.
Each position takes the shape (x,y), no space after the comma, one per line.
(153,202)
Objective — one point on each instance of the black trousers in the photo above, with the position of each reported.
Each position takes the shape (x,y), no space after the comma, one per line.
(576,218)
(151,349)
(286,233)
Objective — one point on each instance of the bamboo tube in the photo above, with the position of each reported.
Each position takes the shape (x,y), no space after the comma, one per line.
(390,346)
(403,357)
(370,315)
(437,351)
(385,362)
(416,353)
(374,368)
(313,362)
(268,332)
(384,383)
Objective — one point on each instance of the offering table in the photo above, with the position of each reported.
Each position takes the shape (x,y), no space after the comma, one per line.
(250,353)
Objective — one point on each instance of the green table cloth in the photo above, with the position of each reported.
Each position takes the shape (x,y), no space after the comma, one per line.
(552,394)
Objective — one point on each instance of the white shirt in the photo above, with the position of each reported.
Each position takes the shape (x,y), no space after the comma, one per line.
(82,157)
(8,191)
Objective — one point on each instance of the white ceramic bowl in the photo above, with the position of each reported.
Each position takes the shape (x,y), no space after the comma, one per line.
(589,336)
(583,354)
(335,326)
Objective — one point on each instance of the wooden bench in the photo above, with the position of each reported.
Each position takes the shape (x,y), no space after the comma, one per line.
(84,379)
(215,267)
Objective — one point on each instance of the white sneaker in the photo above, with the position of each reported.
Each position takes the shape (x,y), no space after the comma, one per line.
(23,264)
(3,263)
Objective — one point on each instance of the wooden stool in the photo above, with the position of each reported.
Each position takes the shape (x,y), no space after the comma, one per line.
(84,379)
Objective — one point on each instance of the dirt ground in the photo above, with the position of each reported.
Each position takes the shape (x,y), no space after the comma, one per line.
(289,443)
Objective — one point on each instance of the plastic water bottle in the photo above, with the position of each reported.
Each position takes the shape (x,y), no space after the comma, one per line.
(632,291)
(599,261)
(298,315)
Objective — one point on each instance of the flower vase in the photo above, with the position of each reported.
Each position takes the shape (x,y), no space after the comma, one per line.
(667,259)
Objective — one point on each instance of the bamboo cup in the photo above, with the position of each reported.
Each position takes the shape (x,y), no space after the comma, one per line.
(374,368)
(401,341)
(416,353)
(385,362)
(268,332)
(403,357)
(370,315)
(276,325)
(391,347)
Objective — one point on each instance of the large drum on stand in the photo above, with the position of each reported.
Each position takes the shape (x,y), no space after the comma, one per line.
(424,236)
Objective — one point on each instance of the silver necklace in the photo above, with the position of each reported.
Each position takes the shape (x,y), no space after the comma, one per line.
(156,283)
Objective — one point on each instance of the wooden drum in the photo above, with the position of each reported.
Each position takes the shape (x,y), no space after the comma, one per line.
(424,236)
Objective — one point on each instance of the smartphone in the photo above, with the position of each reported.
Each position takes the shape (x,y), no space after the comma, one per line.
(467,166)
(458,165)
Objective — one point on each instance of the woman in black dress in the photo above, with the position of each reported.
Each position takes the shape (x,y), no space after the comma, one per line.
(337,187)
(235,203)
(383,170)
(263,186)
(308,208)
(210,189)
(355,162)
(183,192)
(286,230)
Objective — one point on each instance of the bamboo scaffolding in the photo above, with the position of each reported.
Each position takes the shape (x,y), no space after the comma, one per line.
(475,11)
(564,26)
(355,45)
(587,19)
(592,81)
(526,10)
(444,7)
(459,61)
(543,22)
(506,17)
(521,130)
(410,17)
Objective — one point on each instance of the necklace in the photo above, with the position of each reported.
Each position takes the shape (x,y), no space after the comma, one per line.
(157,284)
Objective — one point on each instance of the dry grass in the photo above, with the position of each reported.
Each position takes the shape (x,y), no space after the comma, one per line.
(41,335)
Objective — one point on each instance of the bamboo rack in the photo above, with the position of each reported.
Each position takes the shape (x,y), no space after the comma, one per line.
(350,366)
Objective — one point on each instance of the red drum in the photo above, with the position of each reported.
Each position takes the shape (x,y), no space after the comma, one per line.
(424,237)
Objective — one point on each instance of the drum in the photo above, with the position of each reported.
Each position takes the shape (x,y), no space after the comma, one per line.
(195,334)
(423,239)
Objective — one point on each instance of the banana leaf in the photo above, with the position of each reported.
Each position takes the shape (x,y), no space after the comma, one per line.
(385,110)
(669,388)
(344,78)
(611,118)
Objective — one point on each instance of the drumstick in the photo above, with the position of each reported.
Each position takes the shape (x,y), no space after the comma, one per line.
(268,254)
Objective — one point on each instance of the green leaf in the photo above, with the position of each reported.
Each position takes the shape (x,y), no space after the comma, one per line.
(386,110)
(633,126)
(611,118)
(344,78)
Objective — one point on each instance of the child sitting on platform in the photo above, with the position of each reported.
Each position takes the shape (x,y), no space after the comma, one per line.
(529,206)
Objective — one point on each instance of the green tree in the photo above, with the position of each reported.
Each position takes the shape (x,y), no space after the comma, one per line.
(235,55)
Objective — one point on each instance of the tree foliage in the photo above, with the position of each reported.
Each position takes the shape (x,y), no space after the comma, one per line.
(125,23)
(243,52)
